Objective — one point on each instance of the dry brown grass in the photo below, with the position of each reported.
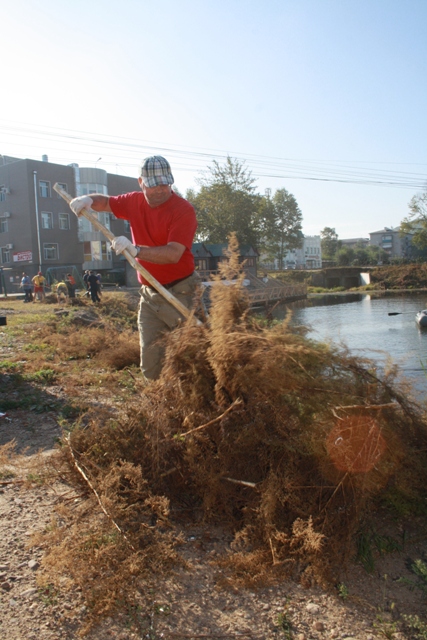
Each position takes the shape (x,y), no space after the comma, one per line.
(287,442)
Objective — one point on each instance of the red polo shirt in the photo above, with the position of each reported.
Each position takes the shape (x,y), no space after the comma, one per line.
(172,221)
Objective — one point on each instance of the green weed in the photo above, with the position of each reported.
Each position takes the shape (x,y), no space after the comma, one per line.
(371,544)
(48,594)
(285,625)
(416,625)
(35,478)
(35,348)
(404,505)
(419,568)
(342,591)
(44,376)
(7,366)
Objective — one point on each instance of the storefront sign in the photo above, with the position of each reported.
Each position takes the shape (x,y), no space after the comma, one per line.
(23,256)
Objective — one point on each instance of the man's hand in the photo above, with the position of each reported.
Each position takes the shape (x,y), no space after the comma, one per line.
(82,202)
(120,243)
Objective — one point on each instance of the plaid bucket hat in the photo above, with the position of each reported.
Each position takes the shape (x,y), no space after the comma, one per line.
(156,170)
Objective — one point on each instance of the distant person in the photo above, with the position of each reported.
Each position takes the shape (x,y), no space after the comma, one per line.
(98,275)
(27,288)
(39,282)
(71,285)
(93,287)
(62,291)
(85,280)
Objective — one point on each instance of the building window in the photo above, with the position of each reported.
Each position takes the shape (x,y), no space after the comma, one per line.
(97,250)
(5,255)
(92,187)
(2,195)
(86,226)
(44,188)
(47,220)
(63,186)
(50,251)
(3,226)
(202,265)
(104,218)
(64,221)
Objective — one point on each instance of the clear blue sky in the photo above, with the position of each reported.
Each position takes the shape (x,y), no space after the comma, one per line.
(326,98)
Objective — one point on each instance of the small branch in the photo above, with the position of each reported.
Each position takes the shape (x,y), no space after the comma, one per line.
(230,408)
(368,407)
(84,476)
(242,482)
(272,551)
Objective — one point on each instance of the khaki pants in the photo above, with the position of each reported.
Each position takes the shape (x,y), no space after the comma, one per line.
(156,316)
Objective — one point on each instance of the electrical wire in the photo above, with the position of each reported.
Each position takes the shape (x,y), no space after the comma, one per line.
(128,152)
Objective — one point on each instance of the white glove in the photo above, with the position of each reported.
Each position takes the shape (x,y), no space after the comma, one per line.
(121,243)
(82,202)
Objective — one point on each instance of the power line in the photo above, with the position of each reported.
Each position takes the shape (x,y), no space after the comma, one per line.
(128,153)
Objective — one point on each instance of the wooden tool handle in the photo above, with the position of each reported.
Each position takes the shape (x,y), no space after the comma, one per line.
(134,263)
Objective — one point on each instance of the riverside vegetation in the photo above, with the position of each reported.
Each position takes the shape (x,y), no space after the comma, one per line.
(397,277)
(306,460)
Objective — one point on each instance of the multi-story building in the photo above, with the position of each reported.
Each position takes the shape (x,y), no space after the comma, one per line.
(308,256)
(391,241)
(354,242)
(38,231)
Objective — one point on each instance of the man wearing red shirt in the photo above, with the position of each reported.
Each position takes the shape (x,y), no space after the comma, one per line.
(163,226)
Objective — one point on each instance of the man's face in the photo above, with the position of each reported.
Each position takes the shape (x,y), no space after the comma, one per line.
(155,196)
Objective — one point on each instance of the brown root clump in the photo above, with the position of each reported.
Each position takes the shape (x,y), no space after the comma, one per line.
(287,442)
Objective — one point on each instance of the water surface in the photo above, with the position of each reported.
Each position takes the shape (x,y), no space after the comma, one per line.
(362,323)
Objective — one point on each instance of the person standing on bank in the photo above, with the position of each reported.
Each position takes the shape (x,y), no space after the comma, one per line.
(163,226)
(27,287)
(39,282)
(93,285)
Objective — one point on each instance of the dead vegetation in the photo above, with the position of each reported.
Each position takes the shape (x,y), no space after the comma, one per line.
(288,443)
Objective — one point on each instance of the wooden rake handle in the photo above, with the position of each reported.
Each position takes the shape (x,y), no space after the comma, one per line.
(134,263)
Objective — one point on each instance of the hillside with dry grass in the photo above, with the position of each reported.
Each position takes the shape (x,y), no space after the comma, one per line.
(402,277)
(288,445)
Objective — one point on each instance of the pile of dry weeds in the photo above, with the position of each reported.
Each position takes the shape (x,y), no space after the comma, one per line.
(287,442)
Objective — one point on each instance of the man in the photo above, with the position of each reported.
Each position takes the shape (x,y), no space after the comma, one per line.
(163,226)
(71,285)
(39,283)
(26,286)
(85,280)
(61,291)
(92,282)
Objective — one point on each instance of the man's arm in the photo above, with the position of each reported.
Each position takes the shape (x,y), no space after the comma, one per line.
(101,202)
(167,254)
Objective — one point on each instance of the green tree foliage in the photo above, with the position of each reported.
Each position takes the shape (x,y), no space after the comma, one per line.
(227,203)
(416,221)
(361,256)
(329,243)
(281,220)
(344,256)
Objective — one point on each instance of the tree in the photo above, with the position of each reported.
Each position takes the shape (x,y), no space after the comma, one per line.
(226,203)
(329,243)
(281,225)
(416,222)
(344,256)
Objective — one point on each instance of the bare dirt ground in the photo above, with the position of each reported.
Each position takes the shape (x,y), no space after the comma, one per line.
(191,603)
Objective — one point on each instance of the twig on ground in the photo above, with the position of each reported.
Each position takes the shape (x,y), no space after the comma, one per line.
(84,476)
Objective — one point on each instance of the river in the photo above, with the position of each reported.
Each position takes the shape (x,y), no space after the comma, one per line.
(361,322)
